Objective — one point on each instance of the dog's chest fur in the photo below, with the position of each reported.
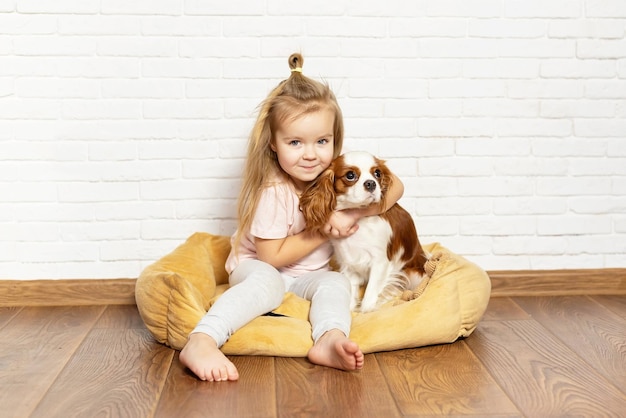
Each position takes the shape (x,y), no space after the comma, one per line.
(366,246)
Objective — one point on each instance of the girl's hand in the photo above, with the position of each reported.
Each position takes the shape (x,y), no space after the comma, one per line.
(342,223)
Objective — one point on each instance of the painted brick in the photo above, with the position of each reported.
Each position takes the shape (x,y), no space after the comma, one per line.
(538,8)
(600,127)
(426,187)
(447,127)
(599,205)
(41,252)
(533,127)
(137,46)
(503,226)
(235,7)
(97,192)
(485,107)
(452,206)
(553,89)
(574,225)
(571,68)
(147,7)
(22,24)
(522,68)
(54,46)
(101,109)
(603,244)
(58,88)
(533,205)
(605,8)
(613,89)
(456,167)
(578,261)
(506,28)
(586,28)
(32,109)
(529,166)
(524,246)
(577,108)
(494,186)
(466,88)
(480,9)
(97,67)
(143,88)
(601,48)
(428,27)
(99,25)
(493,147)
(99,231)
(322,7)
(179,26)
(61,6)
(176,109)
(573,186)
(570,147)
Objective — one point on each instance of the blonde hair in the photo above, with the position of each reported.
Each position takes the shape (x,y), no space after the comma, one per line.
(296,96)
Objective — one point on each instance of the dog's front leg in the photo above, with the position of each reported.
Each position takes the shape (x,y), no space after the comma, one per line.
(378,279)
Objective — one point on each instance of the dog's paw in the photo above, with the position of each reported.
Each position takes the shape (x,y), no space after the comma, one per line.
(367,307)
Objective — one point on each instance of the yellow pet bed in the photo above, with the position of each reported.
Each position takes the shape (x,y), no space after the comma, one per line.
(176,291)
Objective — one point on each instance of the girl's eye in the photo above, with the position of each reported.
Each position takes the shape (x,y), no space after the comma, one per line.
(323,141)
(351,176)
(377,174)
(294,142)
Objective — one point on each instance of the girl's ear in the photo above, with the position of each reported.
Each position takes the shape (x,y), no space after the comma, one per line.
(318,201)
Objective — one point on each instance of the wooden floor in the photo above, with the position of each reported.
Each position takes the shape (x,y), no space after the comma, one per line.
(530,357)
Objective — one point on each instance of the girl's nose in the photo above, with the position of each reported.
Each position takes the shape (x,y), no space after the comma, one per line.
(309,152)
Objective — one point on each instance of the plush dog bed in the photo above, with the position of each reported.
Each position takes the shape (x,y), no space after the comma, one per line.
(176,291)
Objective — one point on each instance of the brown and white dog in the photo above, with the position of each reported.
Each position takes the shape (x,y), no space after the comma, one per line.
(385,252)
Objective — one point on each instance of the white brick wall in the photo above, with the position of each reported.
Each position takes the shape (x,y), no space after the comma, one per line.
(123,123)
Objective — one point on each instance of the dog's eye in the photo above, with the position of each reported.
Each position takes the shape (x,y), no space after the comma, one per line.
(351,176)
(377,173)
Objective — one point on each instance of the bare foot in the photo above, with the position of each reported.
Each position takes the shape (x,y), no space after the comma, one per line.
(336,350)
(202,357)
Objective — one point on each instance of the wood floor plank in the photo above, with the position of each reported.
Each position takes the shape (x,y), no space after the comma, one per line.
(253,395)
(36,345)
(120,317)
(614,303)
(540,374)
(593,332)
(6,314)
(443,380)
(115,372)
(503,308)
(304,389)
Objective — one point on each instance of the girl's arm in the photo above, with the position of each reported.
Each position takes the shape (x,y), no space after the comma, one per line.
(285,251)
(343,223)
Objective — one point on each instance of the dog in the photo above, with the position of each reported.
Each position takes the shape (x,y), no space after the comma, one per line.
(384,253)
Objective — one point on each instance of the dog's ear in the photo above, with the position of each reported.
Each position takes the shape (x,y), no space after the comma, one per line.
(318,201)
(387,178)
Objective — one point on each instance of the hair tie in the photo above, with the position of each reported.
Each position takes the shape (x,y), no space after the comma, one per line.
(297,69)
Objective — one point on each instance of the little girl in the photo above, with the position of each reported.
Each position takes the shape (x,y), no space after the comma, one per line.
(298,132)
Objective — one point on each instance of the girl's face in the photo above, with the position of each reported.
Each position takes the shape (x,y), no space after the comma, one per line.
(305,146)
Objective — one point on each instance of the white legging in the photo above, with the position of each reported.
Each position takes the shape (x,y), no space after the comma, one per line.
(257,288)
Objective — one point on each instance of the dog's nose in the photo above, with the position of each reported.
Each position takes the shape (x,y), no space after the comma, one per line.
(370,185)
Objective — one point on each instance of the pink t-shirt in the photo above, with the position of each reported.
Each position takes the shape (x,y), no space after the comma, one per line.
(278,216)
